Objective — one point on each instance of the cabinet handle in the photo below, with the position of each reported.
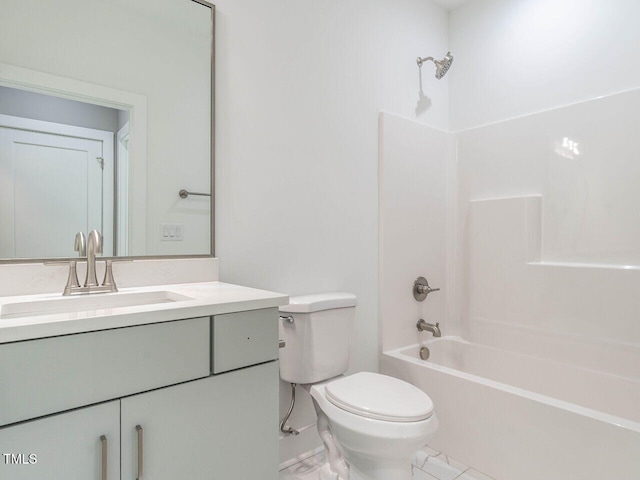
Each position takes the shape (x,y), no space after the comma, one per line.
(103,441)
(140,451)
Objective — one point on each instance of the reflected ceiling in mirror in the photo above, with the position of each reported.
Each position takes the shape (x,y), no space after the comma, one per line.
(106,113)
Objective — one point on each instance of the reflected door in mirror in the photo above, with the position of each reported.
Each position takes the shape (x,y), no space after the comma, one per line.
(52,186)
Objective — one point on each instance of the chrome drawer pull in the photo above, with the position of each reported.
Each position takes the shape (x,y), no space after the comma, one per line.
(140,451)
(103,441)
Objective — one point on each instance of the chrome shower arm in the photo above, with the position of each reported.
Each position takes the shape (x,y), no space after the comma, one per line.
(420,61)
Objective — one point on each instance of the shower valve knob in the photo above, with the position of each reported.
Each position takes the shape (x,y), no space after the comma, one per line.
(421,289)
(426,289)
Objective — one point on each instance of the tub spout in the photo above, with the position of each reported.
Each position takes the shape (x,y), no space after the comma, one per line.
(429,327)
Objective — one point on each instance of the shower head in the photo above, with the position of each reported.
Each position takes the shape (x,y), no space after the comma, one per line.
(442,66)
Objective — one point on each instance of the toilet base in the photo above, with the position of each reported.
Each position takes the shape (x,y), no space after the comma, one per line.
(383,472)
(326,473)
(401,471)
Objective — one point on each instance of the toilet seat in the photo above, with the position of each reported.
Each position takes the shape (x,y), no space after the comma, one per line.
(380,397)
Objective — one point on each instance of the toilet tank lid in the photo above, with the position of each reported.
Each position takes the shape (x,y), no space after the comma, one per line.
(318,302)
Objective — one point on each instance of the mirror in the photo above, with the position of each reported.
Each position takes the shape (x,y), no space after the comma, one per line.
(106,114)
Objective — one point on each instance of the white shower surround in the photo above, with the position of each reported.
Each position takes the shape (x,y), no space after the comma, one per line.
(541,272)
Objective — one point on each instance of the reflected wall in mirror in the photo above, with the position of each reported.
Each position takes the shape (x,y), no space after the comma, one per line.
(106,113)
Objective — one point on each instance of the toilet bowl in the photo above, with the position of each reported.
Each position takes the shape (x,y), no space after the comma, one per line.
(370,423)
(375,422)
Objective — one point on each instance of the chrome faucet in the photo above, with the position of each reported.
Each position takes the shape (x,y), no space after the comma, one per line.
(89,248)
(94,245)
(429,327)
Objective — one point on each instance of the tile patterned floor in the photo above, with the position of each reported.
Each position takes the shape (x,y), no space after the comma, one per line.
(427,464)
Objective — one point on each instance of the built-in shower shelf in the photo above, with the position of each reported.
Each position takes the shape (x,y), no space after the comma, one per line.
(604,266)
(512,283)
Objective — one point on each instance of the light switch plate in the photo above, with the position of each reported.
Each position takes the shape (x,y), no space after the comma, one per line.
(171,232)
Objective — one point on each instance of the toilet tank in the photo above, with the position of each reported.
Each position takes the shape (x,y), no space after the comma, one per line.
(317,342)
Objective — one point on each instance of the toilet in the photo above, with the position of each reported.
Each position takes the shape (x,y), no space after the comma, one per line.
(370,423)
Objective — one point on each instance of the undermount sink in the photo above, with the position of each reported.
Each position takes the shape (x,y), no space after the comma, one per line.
(88,303)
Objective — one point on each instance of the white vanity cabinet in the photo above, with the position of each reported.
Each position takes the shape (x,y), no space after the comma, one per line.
(221,427)
(75,445)
(159,413)
(49,375)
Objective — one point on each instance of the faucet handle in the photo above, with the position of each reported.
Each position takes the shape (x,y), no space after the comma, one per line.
(426,289)
(421,289)
(109,283)
(72,280)
(108,277)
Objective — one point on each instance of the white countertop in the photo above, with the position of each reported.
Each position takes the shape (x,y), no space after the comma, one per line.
(204,299)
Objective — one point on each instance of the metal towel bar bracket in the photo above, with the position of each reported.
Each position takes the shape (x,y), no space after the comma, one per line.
(184,194)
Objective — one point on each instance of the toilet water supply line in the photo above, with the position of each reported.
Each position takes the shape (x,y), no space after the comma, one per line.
(286,431)
(289,430)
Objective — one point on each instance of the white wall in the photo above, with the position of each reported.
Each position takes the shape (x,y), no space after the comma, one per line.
(514,57)
(299,87)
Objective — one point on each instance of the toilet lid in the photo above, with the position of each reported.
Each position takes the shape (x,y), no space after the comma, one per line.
(381,397)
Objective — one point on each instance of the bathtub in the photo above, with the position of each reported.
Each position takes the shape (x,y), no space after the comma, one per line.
(518,417)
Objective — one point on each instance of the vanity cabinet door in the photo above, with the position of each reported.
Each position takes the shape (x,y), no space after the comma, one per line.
(66,446)
(221,427)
